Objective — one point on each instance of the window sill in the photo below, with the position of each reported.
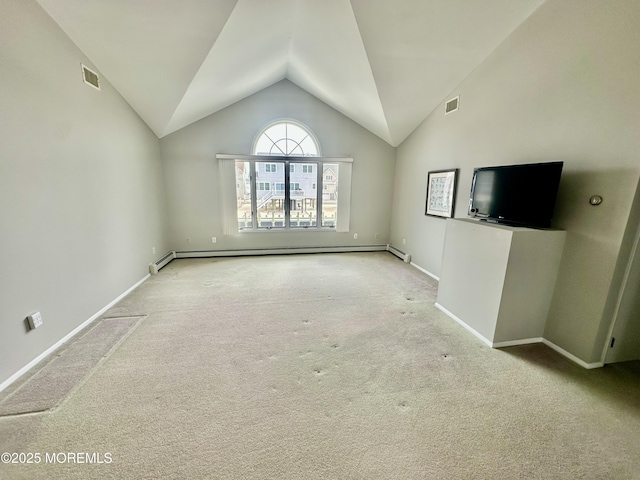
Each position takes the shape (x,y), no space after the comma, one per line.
(290,230)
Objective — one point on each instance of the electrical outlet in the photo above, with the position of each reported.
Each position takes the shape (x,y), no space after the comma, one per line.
(214,239)
(35,320)
(355,236)
(404,241)
(188,240)
(377,236)
(153,250)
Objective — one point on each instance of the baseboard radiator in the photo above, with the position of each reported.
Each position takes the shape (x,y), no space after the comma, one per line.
(405,257)
(279,251)
(156,266)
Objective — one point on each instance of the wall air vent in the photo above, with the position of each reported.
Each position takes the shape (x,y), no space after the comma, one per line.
(90,77)
(452,105)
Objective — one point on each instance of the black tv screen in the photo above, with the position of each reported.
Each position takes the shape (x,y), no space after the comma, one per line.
(520,195)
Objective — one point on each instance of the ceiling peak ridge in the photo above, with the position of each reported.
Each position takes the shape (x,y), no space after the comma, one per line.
(294,13)
(387,137)
(169,126)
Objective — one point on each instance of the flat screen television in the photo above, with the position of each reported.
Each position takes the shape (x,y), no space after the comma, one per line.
(520,195)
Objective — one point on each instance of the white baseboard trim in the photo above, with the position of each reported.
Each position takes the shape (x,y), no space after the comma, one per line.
(571,356)
(461,322)
(525,341)
(279,251)
(67,337)
(435,277)
(514,343)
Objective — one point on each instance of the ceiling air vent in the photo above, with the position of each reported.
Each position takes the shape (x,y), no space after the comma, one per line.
(452,105)
(90,77)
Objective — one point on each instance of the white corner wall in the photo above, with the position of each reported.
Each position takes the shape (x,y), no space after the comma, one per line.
(81,192)
(563,86)
(191,172)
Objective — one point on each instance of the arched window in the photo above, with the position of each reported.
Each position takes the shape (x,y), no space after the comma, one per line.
(285,184)
(285,138)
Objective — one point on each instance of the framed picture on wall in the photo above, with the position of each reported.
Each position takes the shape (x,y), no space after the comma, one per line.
(441,193)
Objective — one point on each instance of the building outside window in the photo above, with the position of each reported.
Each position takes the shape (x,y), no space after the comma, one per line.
(298,189)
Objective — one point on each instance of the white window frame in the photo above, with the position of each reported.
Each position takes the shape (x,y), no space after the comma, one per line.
(228,195)
(286,122)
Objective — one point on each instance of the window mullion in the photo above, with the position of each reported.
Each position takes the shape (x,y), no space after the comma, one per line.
(254,195)
(319,174)
(287,196)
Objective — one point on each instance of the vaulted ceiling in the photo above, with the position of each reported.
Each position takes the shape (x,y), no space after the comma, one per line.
(384,64)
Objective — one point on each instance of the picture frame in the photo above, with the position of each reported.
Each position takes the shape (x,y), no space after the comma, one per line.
(441,193)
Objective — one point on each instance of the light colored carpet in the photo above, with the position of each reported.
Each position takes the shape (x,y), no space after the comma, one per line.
(43,388)
(333,366)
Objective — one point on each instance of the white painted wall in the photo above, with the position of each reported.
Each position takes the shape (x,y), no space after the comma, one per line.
(563,86)
(81,194)
(625,306)
(627,327)
(191,171)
